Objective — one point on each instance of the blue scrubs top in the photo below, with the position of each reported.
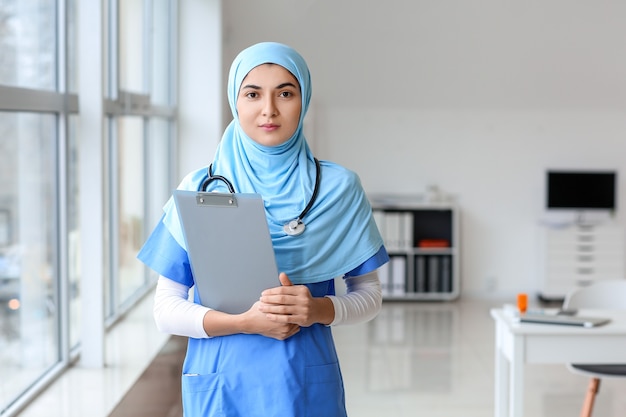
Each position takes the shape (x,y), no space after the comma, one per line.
(253,375)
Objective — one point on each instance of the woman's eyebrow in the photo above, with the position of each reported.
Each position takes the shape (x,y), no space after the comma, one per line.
(278,87)
(287,84)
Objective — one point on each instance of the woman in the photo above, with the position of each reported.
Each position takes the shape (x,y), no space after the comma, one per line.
(278,358)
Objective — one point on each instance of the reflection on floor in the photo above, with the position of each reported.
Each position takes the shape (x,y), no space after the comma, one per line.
(416,358)
(157,392)
(437,360)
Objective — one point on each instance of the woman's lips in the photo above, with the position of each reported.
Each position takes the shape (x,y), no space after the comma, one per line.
(269,127)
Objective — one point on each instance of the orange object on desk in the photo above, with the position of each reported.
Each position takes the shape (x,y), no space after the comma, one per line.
(522,302)
(433,243)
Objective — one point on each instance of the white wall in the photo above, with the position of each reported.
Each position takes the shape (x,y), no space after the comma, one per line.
(476,97)
(199,87)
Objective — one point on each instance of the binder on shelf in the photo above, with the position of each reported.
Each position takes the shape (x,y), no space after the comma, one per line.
(393,229)
(407,229)
(420,274)
(433,274)
(398,276)
(379,219)
(396,228)
(384,277)
(446,274)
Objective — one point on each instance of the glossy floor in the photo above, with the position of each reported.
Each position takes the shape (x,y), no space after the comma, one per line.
(437,360)
(419,359)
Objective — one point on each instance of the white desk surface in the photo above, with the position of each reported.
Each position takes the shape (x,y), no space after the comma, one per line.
(617,324)
(521,343)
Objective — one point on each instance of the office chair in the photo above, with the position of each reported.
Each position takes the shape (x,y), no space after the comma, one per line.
(610,295)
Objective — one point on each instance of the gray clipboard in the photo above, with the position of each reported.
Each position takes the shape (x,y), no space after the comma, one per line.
(229,248)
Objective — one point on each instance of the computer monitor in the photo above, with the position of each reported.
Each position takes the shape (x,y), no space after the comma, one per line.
(581,190)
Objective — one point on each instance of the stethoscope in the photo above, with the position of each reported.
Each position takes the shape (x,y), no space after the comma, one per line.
(293,227)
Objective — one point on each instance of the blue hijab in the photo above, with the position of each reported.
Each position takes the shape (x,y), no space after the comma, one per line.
(340,231)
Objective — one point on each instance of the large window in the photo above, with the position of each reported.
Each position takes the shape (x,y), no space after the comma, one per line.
(35,120)
(42,205)
(129,186)
(141,138)
(29,338)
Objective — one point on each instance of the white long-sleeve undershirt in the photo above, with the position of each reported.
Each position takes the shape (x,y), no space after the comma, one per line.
(361,302)
(175,314)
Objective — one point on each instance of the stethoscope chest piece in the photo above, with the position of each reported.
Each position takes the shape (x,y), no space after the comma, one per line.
(294,227)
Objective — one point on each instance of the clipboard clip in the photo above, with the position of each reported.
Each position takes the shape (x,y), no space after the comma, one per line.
(216,199)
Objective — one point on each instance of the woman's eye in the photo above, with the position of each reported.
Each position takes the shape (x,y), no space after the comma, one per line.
(285,94)
(251,94)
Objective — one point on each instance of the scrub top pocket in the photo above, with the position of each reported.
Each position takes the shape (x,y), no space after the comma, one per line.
(324,388)
(201,395)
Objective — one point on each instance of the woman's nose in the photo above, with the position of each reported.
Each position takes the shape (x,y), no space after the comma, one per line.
(269,107)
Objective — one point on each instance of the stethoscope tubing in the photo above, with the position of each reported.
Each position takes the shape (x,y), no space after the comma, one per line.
(293,227)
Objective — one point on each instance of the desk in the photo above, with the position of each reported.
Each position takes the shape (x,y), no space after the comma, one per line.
(521,343)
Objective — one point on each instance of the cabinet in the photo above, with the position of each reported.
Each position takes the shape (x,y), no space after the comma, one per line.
(423,245)
(579,254)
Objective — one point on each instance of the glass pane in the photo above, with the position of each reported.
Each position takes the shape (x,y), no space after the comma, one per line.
(160,168)
(159,173)
(28,43)
(130,208)
(28,314)
(161,53)
(72,61)
(73,244)
(131,46)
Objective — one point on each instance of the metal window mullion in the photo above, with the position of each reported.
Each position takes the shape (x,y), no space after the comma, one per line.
(62,241)
(113,36)
(21,99)
(148,189)
(173,153)
(62,45)
(114,218)
(173,54)
(173,91)
(112,102)
(148,23)
(63,299)
(130,104)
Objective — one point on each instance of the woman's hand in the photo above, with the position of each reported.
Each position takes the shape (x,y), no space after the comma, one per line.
(294,304)
(257,323)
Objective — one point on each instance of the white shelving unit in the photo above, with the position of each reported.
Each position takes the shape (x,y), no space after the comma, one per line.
(423,244)
(578,255)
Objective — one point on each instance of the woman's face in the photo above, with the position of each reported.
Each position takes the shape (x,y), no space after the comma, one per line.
(269,104)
